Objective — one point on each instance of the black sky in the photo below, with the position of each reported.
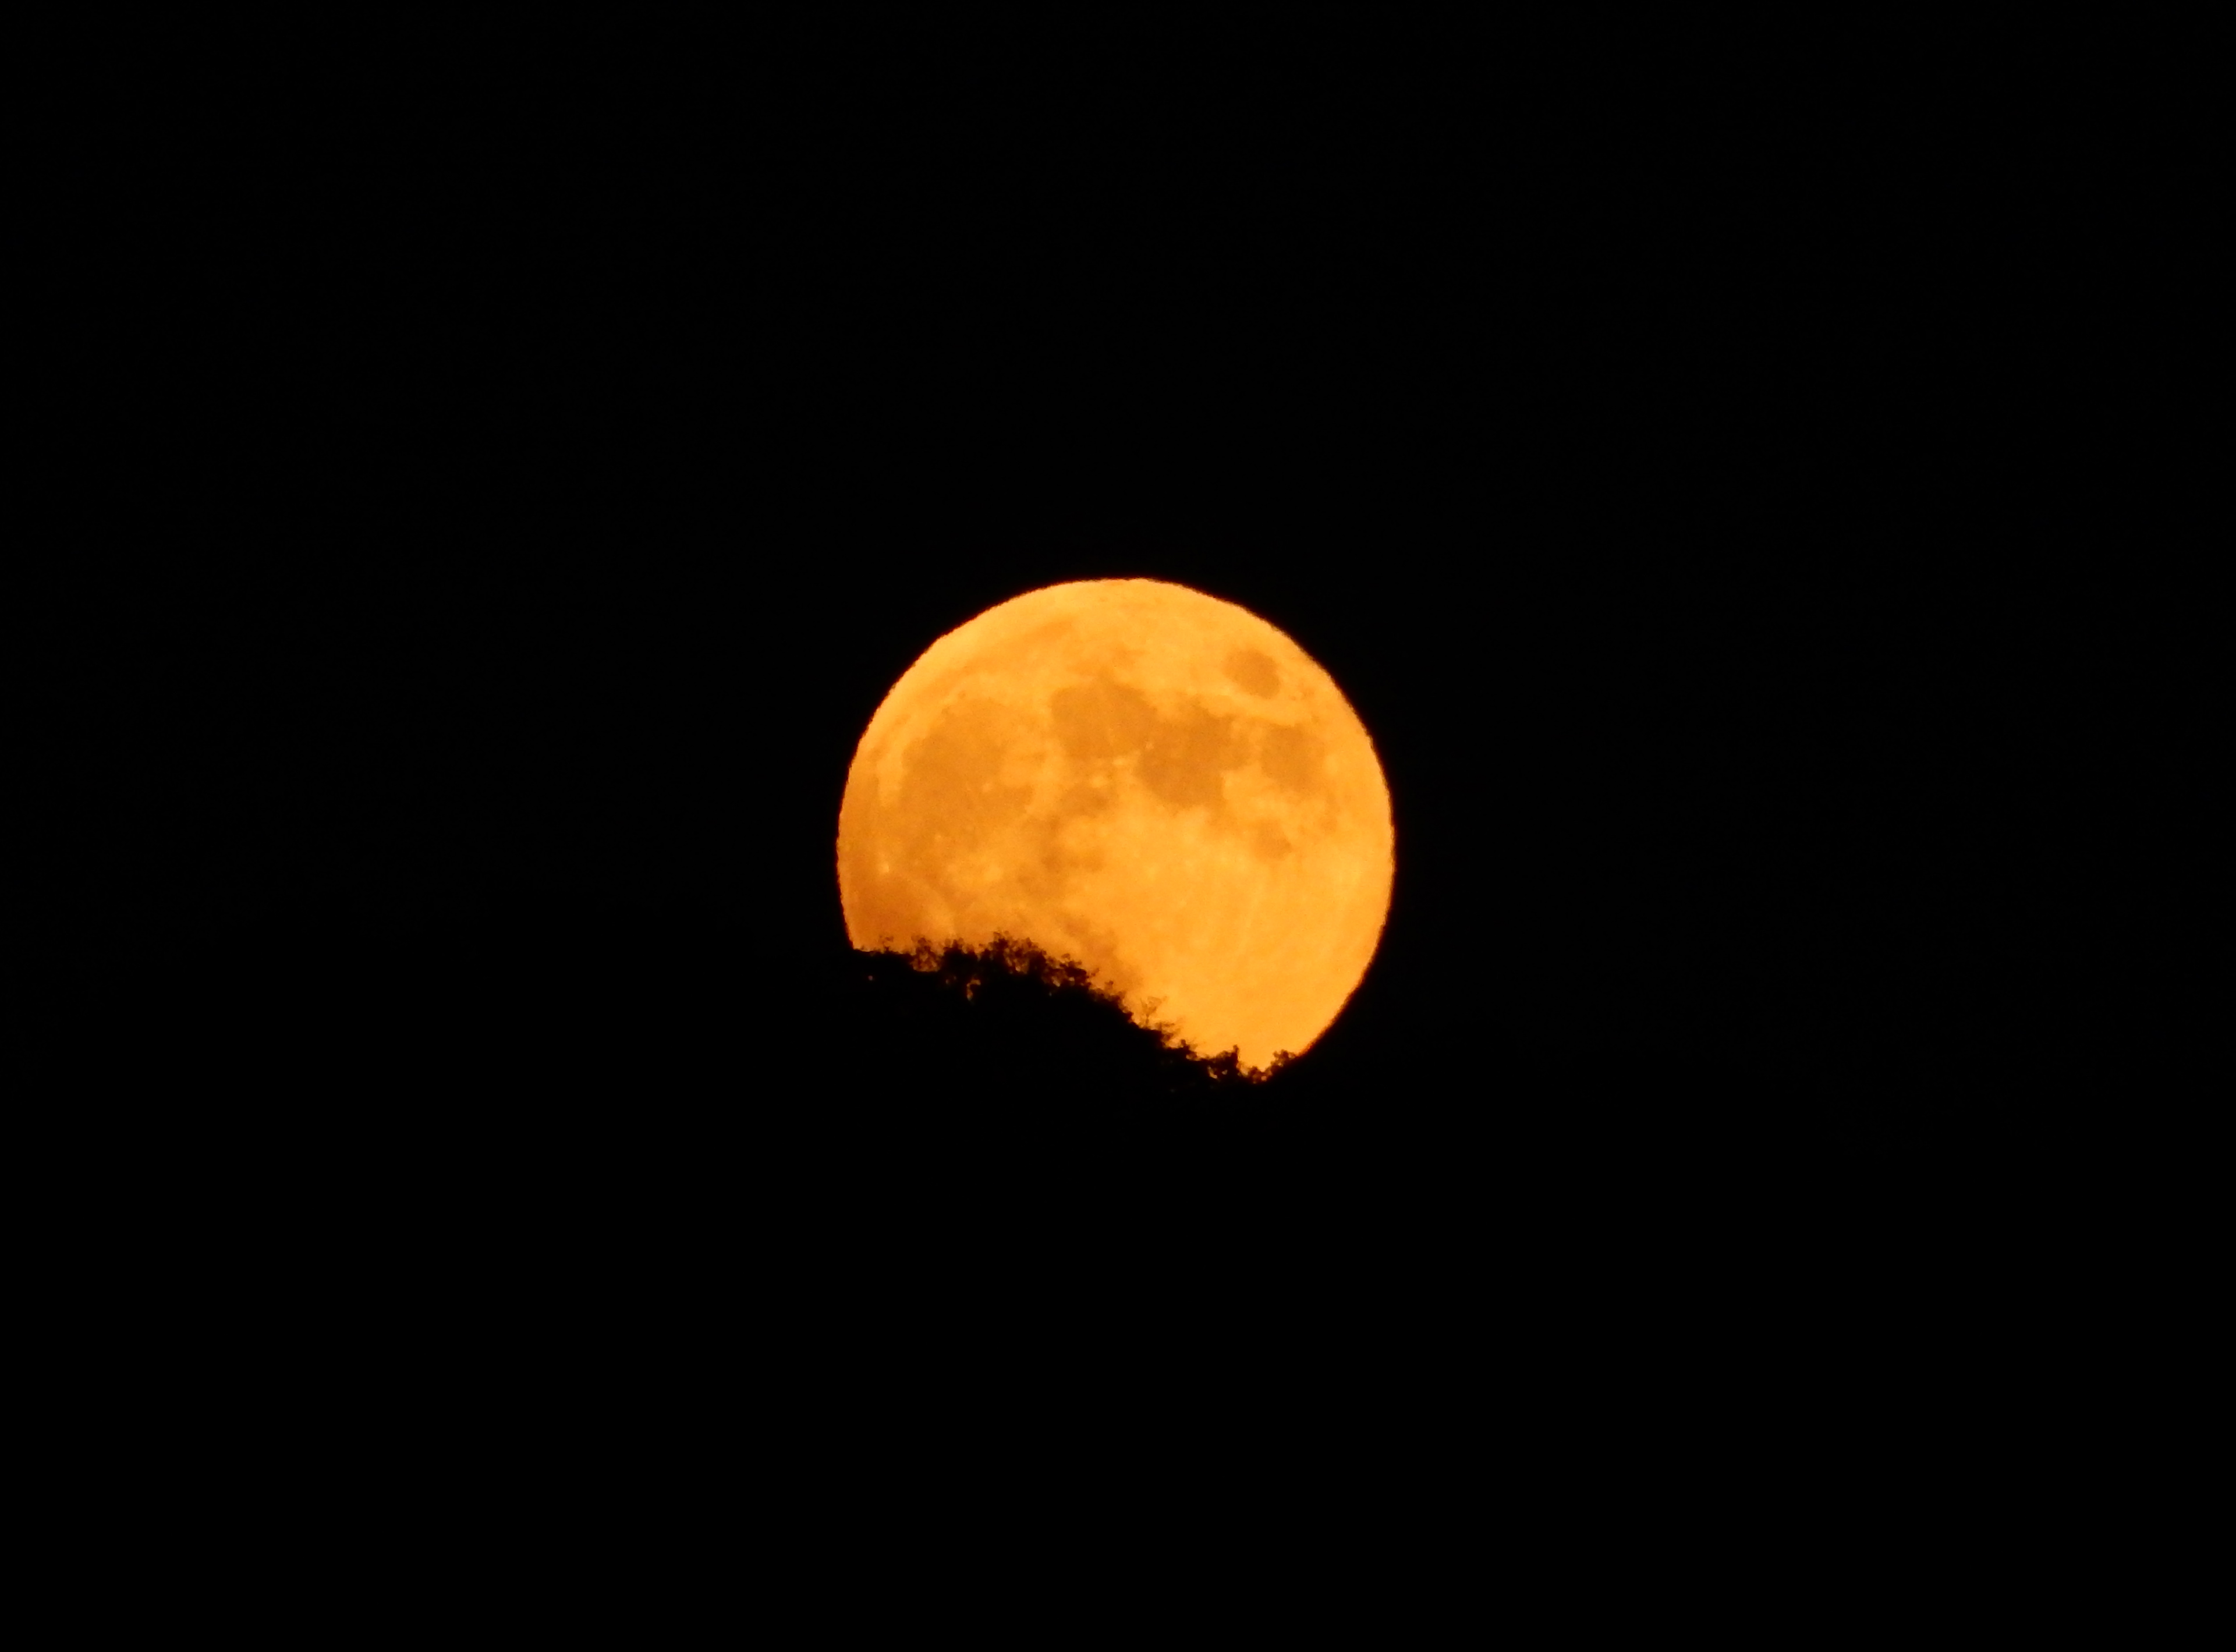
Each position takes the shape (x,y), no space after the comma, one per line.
(517,477)
(496,474)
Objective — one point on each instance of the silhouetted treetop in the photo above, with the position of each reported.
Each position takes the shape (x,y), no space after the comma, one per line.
(1027,1015)
(1008,1016)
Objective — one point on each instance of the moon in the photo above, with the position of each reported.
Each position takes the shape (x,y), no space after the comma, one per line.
(1151,782)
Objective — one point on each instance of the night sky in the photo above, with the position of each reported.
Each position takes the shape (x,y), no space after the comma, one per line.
(520,479)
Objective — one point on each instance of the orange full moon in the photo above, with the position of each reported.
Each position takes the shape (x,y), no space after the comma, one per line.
(1145,779)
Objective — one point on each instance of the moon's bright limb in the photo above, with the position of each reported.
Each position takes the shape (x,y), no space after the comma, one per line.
(1156,783)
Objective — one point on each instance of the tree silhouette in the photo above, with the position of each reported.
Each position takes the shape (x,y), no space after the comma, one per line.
(1000,1076)
(1039,1023)
(709,1101)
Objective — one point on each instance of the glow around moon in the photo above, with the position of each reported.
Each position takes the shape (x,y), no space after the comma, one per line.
(1156,783)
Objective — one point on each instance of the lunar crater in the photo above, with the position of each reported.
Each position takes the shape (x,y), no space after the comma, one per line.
(1253,670)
